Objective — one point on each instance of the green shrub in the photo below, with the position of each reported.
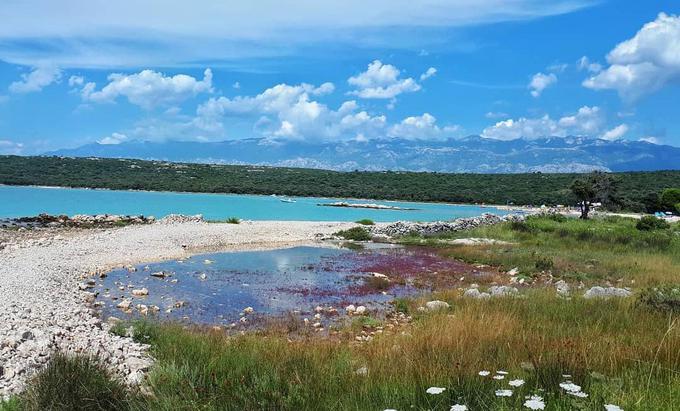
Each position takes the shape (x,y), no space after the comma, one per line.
(650,223)
(669,198)
(355,233)
(74,383)
(365,221)
(677,209)
(665,298)
(401,305)
(520,226)
(233,220)
(544,263)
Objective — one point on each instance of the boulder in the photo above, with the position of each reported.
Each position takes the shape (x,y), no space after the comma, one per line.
(437,305)
(608,292)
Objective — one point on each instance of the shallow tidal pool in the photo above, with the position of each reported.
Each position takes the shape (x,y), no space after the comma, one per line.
(216,288)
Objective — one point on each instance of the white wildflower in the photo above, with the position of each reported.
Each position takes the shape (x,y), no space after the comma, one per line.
(570,386)
(503,393)
(579,394)
(499,377)
(612,407)
(535,403)
(502,372)
(435,390)
(516,383)
(484,373)
(458,407)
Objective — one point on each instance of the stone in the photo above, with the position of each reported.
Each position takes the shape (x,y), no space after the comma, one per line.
(562,288)
(141,292)
(124,305)
(502,291)
(350,309)
(437,305)
(361,310)
(608,292)
(248,310)
(475,293)
(159,274)
(363,371)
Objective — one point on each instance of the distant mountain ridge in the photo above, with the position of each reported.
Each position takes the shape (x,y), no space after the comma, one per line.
(472,154)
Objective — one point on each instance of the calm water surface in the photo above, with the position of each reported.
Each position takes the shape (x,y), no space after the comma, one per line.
(217,287)
(28,201)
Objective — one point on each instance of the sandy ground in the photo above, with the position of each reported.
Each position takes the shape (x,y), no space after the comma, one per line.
(45,302)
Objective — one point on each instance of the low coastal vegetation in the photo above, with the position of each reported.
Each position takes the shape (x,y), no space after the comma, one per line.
(537,351)
(354,233)
(639,191)
(365,221)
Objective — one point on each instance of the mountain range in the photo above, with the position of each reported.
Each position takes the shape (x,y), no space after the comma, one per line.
(472,154)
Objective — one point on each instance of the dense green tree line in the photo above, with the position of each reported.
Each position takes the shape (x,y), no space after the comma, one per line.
(639,191)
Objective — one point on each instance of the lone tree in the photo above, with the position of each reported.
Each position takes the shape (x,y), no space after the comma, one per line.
(669,199)
(596,187)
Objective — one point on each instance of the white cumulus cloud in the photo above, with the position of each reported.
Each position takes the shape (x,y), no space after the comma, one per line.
(540,82)
(36,80)
(615,133)
(10,147)
(587,121)
(381,81)
(148,88)
(645,63)
(115,138)
(422,127)
(427,74)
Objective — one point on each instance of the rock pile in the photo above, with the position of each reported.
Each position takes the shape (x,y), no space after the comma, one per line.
(402,228)
(180,219)
(602,292)
(78,221)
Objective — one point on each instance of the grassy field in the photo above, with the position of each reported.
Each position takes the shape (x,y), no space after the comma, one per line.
(624,352)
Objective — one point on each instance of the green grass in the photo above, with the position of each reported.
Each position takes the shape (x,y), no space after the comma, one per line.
(365,221)
(355,233)
(74,383)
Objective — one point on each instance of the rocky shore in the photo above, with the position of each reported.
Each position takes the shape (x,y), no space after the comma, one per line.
(79,221)
(44,308)
(402,228)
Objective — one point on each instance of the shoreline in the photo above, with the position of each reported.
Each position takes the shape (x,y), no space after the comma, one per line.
(46,302)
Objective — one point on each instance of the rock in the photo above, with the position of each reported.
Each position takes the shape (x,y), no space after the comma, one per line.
(602,292)
(124,305)
(361,310)
(437,305)
(141,292)
(402,228)
(180,219)
(350,309)
(475,293)
(381,276)
(248,310)
(502,291)
(562,288)
(513,271)
(203,276)
(27,335)
(159,274)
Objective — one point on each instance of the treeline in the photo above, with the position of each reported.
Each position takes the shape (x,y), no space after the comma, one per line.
(639,191)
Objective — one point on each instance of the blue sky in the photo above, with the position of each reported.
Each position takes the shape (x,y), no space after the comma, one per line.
(83,71)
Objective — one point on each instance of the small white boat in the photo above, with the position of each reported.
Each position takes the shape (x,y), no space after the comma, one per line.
(287,200)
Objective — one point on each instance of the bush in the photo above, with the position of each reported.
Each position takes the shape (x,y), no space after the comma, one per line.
(665,298)
(355,233)
(365,221)
(74,383)
(233,220)
(677,209)
(669,198)
(544,263)
(650,223)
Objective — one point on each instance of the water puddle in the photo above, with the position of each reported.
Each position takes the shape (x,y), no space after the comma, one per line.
(216,288)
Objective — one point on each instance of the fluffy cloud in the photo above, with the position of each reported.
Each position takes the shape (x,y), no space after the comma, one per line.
(115,138)
(290,111)
(651,140)
(587,121)
(80,33)
(644,63)
(420,127)
(381,81)
(36,80)
(149,89)
(540,82)
(427,74)
(615,133)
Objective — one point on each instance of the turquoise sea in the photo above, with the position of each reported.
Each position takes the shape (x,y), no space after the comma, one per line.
(19,201)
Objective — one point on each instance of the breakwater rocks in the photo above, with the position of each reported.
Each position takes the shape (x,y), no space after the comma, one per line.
(402,228)
(77,221)
(181,219)
(365,205)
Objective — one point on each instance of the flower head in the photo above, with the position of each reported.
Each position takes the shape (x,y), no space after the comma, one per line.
(612,407)
(499,377)
(484,373)
(503,393)
(570,386)
(516,383)
(458,407)
(535,403)
(435,390)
